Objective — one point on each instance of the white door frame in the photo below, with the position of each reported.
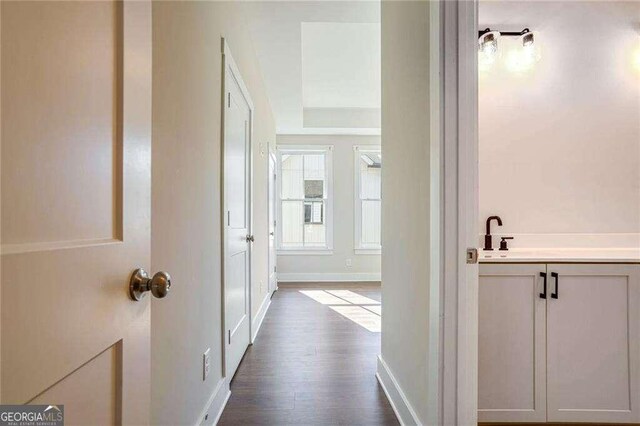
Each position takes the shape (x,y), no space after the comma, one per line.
(228,64)
(272,200)
(454,161)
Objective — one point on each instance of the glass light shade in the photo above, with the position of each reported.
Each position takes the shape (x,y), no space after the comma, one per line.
(636,59)
(524,54)
(488,49)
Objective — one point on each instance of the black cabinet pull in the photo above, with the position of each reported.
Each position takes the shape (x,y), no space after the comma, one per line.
(543,295)
(555,275)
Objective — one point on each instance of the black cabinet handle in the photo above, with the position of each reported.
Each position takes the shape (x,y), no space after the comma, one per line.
(543,295)
(555,275)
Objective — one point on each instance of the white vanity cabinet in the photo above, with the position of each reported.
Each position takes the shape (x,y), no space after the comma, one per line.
(593,344)
(570,358)
(511,344)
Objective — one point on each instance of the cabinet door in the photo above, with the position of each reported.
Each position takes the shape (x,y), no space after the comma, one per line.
(592,344)
(511,344)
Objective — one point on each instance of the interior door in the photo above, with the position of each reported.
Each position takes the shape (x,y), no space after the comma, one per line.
(511,343)
(273,282)
(75,185)
(237,206)
(593,346)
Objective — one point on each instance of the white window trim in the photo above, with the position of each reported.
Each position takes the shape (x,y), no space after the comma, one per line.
(306,149)
(368,251)
(311,251)
(360,248)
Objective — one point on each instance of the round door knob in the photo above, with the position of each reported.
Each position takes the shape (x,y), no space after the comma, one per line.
(140,283)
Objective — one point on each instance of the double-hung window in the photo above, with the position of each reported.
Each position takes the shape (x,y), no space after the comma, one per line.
(368,173)
(305,199)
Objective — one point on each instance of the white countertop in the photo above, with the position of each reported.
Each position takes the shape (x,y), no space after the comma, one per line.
(542,255)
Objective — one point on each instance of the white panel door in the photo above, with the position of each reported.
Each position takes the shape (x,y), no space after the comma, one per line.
(593,352)
(273,282)
(237,225)
(511,343)
(76,139)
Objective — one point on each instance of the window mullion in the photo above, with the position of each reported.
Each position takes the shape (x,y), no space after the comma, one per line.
(304,196)
(325,199)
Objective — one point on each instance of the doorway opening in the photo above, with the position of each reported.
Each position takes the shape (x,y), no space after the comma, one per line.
(319,304)
(557,296)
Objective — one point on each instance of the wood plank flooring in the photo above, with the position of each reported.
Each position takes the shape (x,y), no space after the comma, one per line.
(312,364)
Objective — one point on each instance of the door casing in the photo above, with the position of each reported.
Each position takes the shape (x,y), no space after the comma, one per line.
(453,341)
(272,224)
(229,65)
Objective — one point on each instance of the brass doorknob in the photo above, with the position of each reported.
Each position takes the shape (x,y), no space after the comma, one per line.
(140,283)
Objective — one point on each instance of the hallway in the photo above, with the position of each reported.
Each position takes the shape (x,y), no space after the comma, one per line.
(314,361)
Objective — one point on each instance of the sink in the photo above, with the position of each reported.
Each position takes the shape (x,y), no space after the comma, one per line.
(520,253)
(568,255)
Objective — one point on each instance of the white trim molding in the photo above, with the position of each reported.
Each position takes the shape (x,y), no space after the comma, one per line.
(304,252)
(297,277)
(259,317)
(457,65)
(397,399)
(226,51)
(436,208)
(215,405)
(366,251)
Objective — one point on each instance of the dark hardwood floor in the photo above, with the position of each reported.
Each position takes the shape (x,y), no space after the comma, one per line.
(313,362)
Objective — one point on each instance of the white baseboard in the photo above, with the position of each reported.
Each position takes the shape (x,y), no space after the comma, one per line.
(297,277)
(215,406)
(399,402)
(257,321)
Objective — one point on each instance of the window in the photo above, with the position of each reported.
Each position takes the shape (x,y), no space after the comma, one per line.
(304,205)
(368,168)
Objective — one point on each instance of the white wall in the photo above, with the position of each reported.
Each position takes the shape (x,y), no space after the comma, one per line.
(405,207)
(186,238)
(560,145)
(332,267)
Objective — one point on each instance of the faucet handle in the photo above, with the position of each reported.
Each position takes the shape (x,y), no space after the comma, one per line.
(503,243)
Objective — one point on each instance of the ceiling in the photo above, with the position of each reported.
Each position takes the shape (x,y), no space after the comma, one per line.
(321,64)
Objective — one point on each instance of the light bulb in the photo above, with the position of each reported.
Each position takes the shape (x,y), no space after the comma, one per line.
(524,55)
(636,59)
(488,49)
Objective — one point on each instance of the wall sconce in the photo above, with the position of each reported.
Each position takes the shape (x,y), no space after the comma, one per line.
(525,54)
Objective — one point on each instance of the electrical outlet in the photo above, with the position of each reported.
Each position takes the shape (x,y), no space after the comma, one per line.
(206,364)
(348,263)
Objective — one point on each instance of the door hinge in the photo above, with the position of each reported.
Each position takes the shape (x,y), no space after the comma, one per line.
(472,255)
(229,336)
(229,100)
(275,269)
